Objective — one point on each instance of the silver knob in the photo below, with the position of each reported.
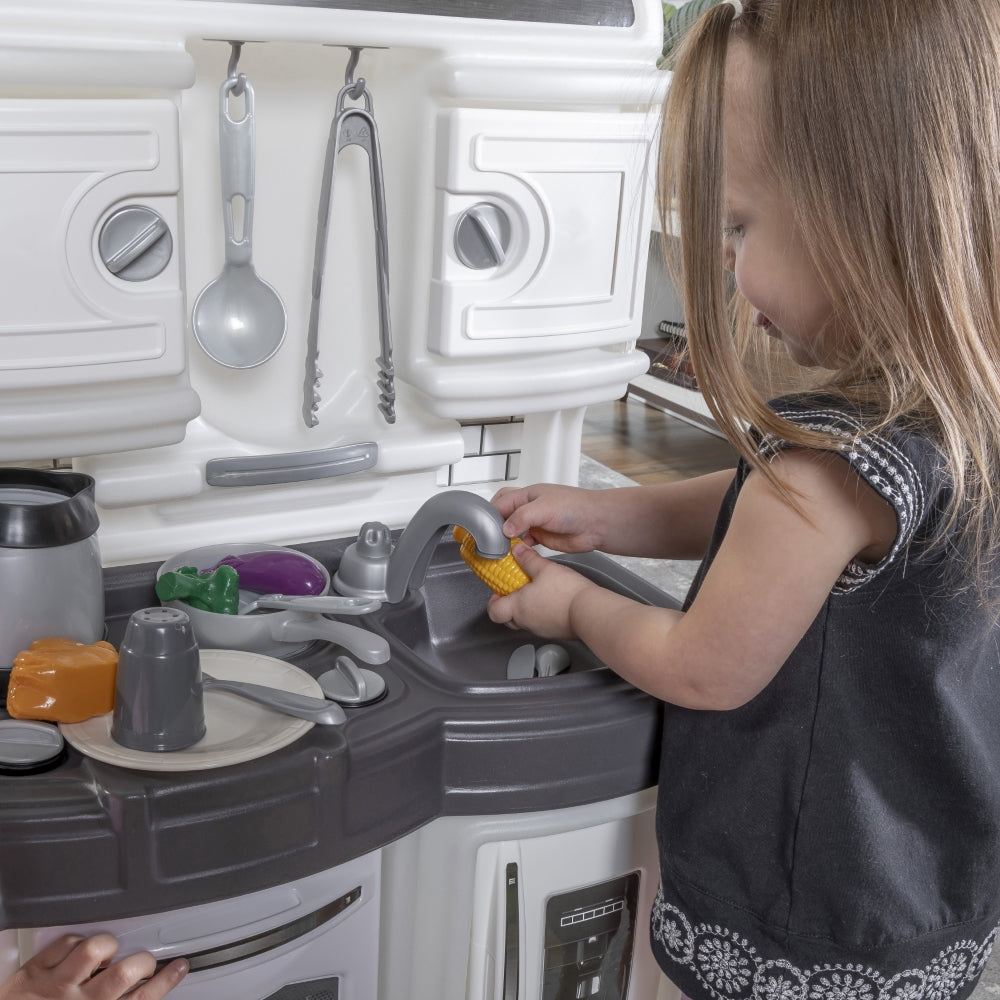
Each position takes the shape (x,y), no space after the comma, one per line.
(135,243)
(482,236)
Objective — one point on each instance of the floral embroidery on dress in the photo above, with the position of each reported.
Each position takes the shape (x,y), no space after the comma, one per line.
(730,968)
(879,462)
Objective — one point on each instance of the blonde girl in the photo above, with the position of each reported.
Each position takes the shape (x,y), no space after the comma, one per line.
(829,809)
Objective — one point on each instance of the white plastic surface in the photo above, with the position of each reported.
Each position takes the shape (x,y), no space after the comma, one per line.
(574,187)
(10,957)
(525,384)
(68,323)
(64,167)
(443,894)
(347,946)
(553,121)
(549,866)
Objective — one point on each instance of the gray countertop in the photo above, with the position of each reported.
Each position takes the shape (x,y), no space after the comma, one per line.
(89,840)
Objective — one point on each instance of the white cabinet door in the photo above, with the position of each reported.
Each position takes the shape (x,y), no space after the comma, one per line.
(92,356)
(573,194)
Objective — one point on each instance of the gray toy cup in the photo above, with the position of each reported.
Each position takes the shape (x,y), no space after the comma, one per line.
(158,690)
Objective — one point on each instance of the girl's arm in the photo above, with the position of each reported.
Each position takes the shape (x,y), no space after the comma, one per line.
(771,576)
(667,521)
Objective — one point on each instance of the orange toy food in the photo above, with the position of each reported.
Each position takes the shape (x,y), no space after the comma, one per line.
(502,575)
(59,680)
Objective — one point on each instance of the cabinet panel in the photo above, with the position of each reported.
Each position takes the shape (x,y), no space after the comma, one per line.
(575,192)
(92,357)
(65,168)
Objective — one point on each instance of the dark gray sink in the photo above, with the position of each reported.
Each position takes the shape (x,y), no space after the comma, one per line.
(442,629)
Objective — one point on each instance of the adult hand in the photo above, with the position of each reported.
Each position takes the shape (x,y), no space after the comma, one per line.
(77,968)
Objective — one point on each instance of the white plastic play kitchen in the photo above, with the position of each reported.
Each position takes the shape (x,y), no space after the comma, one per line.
(319,276)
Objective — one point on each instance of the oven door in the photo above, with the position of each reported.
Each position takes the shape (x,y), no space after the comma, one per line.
(315,939)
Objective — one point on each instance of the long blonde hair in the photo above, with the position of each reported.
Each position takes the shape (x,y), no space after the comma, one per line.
(884,129)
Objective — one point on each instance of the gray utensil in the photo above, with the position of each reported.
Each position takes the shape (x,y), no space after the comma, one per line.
(521,664)
(239,319)
(320,604)
(352,127)
(550,660)
(301,706)
(546,661)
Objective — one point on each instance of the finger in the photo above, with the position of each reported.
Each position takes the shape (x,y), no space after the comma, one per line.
(528,559)
(527,537)
(118,978)
(518,523)
(162,983)
(86,957)
(502,497)
(530,523)
(521,508)
(56,951)
(500,610)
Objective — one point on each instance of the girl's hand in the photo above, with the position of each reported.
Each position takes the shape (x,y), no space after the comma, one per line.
(564,518)
(769,580)
(666,521)
(542,606)
(76,968)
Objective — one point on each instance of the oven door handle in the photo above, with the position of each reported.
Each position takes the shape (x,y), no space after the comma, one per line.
(258,944)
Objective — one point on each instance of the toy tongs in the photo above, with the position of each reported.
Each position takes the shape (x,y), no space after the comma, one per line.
(351,126)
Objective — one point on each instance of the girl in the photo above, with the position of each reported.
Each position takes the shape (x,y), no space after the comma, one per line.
(76,968)
(829,809)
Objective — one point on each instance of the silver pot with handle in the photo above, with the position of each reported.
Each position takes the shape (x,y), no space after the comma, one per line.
(51,582)
(279,633)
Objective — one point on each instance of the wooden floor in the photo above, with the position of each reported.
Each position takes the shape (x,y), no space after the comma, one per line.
(648,445)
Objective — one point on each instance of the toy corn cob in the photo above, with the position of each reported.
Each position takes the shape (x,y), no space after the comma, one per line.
(502,575)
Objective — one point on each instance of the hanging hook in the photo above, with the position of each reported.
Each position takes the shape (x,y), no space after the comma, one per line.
(358,87)
(234,61)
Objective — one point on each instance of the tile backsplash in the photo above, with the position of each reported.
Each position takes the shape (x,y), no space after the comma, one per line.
(492,453)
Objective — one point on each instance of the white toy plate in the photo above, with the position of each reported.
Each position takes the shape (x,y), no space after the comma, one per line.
(236,730)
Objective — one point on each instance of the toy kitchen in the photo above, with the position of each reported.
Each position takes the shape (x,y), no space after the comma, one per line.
(320,276)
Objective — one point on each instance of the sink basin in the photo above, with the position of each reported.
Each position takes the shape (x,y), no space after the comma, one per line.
(442,629)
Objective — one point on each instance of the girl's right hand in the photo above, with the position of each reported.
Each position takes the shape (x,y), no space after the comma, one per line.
(76,968)
(563,518)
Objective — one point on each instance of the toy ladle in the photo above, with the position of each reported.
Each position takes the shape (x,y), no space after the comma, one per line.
(239,320)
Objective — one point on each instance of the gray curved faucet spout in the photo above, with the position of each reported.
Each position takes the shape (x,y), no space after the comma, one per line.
(412,554)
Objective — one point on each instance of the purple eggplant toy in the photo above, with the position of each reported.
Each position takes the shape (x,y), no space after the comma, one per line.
(275,572)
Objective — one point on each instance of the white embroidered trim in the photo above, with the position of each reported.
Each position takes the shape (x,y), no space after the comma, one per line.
(879,462)
(730,968)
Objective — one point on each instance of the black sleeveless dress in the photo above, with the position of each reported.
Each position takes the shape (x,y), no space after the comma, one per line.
(838,837)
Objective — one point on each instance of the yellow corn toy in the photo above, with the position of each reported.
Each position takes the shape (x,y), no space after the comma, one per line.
(502,575)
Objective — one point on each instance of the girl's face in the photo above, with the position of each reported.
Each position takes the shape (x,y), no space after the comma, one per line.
(763,246)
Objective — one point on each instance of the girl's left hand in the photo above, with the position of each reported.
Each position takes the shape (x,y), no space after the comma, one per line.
(542,606)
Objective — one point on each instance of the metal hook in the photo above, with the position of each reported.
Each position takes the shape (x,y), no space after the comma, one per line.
(357,87)
(234,61)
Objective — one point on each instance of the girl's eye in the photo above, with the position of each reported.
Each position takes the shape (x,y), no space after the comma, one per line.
(730,231)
